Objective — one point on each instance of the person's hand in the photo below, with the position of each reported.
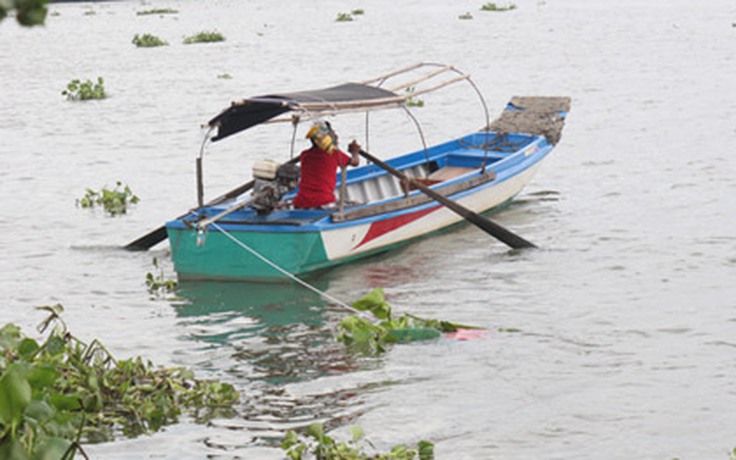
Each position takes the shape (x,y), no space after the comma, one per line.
(354,147)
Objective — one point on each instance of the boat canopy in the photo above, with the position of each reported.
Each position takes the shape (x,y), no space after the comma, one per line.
(348,97)
(249,112)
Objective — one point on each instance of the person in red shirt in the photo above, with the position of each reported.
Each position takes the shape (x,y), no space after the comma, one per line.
(320,164)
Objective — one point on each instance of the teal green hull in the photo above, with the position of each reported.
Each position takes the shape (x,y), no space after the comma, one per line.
(219,257)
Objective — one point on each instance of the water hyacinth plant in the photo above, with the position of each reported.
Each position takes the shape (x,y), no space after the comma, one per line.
(114,202)
(157,11)
(490,6)
(60,392)
(204,37)
(157,284)
(314,443)
(147,41)
(362,335)
(77,90)
(344,17)
(414,101)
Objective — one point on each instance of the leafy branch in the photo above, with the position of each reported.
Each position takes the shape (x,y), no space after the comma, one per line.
(28,13)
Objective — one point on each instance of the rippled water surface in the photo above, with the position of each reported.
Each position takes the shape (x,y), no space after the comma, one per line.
(627,315)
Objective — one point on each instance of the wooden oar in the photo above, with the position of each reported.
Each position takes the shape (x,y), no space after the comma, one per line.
(156,236)
(493,229)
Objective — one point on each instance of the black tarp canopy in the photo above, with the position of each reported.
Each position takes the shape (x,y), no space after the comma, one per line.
(249,112)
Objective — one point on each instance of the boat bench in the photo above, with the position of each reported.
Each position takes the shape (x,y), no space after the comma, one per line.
(473,158)
(381,186)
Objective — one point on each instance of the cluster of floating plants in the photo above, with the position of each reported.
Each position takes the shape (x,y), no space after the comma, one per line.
(344,17)
(314,443)
(204,37)
(157,11)
(113,201)
(347,17)
(148,41)
(362,335)
(77,90)
(61,392)
(465,16)
(490,6)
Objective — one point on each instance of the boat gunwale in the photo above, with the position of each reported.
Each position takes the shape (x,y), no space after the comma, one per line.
(503,169)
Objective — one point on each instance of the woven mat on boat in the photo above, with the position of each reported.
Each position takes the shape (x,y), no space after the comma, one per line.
(538,116)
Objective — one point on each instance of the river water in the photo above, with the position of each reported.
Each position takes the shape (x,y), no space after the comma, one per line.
(626,315)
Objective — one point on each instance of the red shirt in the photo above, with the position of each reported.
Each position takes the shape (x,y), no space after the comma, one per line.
(319,176)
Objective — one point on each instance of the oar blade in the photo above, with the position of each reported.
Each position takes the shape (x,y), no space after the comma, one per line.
(148,240)
(502,234)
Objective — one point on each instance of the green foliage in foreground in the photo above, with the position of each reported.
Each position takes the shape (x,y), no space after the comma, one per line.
(204,37)
(322,447)
(364,336)
(77,90)
(114,202)
(147,41)
(493,7)
(62,391)
(157,11)
(28,13)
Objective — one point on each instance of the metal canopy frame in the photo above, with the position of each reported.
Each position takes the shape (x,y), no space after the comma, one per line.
(312,105)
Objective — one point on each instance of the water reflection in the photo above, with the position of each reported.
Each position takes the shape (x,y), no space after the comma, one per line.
(282,339)
(284,332)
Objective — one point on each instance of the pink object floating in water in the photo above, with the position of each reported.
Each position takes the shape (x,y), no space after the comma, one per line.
(466,334)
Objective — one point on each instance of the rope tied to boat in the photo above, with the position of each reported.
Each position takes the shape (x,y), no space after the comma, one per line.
(292,277)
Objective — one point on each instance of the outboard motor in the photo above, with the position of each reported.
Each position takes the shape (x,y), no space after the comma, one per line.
(271,183)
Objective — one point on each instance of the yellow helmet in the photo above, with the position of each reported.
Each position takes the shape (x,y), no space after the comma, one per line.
(323,136)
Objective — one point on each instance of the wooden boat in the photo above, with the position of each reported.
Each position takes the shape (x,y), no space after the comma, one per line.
(242,236)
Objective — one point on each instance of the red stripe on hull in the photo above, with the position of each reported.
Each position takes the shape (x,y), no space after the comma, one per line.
(382,227)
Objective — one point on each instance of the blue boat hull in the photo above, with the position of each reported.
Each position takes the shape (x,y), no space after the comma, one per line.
(481,171)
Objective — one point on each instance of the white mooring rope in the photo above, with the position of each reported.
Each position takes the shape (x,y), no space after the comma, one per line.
(286,273)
